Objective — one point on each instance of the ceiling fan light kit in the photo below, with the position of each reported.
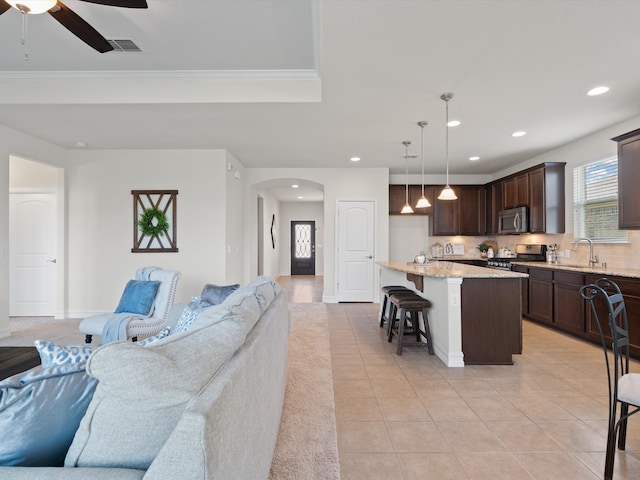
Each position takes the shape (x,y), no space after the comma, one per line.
(68,18)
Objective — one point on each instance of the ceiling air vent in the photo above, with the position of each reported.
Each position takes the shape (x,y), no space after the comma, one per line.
(124,45)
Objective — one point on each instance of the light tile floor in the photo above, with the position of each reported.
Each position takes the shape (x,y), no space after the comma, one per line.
(410,417)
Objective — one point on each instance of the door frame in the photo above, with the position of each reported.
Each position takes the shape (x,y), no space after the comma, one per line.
(374,245)
(292,244)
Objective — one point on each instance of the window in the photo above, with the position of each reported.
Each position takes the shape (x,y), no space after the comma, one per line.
(595,202)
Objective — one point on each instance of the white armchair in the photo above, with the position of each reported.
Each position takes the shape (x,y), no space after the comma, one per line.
(139,325)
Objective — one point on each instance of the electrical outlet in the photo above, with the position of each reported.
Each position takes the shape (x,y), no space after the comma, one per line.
(567,253)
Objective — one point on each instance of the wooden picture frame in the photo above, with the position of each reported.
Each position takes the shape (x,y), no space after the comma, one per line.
(164,201)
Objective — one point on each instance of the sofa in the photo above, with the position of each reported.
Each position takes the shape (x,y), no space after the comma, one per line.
(204,403)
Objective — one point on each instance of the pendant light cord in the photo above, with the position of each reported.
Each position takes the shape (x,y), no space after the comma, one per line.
(446,140)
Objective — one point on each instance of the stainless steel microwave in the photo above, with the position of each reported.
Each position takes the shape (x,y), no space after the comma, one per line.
(513,221)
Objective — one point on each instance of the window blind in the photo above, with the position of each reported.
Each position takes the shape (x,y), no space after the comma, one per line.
(595,201)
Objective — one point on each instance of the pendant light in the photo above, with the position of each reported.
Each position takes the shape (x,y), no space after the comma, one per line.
(407,208)
(447,192)
(422,202)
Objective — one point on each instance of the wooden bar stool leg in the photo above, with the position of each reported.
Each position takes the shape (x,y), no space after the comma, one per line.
(392,318)
(401,323)
(427,330)
(384,310)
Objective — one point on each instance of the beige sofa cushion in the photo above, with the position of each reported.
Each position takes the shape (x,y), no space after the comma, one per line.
(143,391)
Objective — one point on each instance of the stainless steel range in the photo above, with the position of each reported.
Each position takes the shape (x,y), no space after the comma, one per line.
(524,253)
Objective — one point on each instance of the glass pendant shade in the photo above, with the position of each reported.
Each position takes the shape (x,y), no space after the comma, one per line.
(447,192)
(422,201)
(406,209)
(32,6)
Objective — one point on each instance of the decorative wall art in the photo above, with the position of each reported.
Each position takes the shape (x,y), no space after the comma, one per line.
(273,231)
(154,221)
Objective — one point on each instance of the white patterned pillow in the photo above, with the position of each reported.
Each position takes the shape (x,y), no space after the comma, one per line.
(158,336)
(190,313)
(53,354)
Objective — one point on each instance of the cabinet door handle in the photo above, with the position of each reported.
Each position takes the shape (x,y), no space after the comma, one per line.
(369,256)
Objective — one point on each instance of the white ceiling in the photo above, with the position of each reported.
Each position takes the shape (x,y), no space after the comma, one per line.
(302,83)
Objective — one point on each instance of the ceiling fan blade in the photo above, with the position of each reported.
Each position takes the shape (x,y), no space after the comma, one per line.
(120,3)
(4,6)
(81,29)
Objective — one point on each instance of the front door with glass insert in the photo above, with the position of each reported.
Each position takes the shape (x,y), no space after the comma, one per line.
(303,248)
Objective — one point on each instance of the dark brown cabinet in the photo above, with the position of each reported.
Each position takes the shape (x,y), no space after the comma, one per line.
(464,216)
(628,180)
(446,217)
(568,305)
(541,294)
(471,210)
(546,198)
(516,190)
(397,199)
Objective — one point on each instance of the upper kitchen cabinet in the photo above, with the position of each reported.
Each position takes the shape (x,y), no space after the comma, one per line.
(628,180)
(493,205)
(397,199)
(464,216)
(516,190)
(471,210)
(546,198)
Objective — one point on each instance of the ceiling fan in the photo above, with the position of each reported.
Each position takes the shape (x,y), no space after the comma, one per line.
(69,19)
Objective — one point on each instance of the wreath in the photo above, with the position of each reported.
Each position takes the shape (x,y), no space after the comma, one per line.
(153,222)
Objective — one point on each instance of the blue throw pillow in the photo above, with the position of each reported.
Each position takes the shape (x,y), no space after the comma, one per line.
(40,411)
(138,297)
(215,294)
(53,354)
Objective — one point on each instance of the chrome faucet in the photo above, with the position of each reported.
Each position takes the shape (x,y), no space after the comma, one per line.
(592,260)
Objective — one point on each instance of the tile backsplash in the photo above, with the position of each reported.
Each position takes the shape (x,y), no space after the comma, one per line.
(615,255)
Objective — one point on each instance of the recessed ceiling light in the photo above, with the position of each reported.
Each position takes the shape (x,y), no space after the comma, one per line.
(294,186)
(300,197)
(355,159)
(81,145)
(474,158)
(453,123)
(519,133)
(597,91)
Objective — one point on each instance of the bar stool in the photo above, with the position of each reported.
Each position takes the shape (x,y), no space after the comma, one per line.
(388,290)
(410,307)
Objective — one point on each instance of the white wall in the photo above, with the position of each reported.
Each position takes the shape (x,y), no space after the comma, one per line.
(234,223)
(301,211)
(339,184)
(100,213)
(16,143)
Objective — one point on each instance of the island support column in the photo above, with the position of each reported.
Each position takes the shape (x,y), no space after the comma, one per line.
(445,314)
(446,318)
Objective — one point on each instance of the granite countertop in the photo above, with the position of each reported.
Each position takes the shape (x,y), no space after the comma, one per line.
(444,269)
(618,272)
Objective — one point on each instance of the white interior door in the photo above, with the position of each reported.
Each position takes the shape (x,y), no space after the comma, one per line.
(356,234)
(32,262)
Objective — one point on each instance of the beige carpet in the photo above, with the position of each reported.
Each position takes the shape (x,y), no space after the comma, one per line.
(307,445)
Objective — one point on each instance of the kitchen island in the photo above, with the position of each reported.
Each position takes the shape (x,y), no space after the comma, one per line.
(475,317)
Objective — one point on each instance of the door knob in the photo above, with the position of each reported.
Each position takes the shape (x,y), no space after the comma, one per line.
(52,261)
(369,256)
